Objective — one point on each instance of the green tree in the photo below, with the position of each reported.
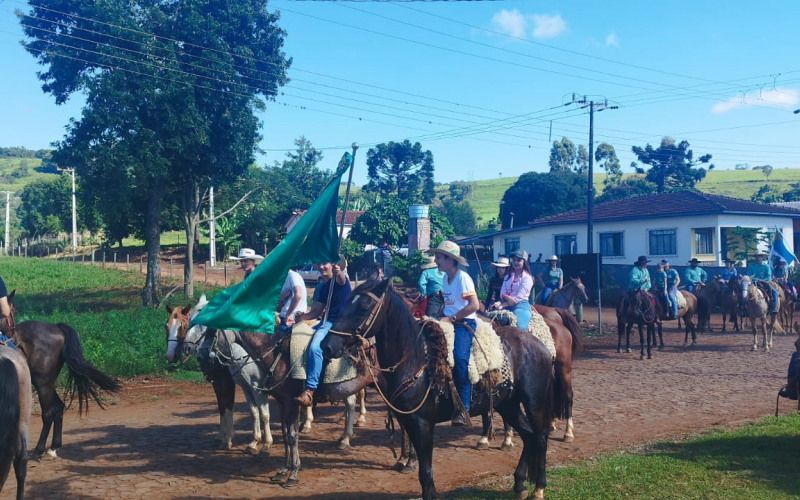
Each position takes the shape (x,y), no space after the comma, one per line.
(606,157)
(461,216)
(744,241)
(459,191)
(766,170)
(170,111)
(536,195)
(767,194)
(626,189)
(387,222)
(582,160)
(46,207)
(672,166)
(563,155)
(401,169)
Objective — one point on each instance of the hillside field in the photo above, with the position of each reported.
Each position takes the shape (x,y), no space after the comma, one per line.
(16,173)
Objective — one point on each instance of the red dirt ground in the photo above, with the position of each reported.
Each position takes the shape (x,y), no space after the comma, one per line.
(155,442)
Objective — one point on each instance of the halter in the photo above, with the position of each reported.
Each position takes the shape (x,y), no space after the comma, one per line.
(368,322)
(11,325)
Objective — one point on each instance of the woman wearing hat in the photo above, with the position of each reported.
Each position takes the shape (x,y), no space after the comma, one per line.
(430,286)
(517,288)
(694,275)
(496,283)
(552,278)
(728,271)
(247,260)
(460,305)
(639,278)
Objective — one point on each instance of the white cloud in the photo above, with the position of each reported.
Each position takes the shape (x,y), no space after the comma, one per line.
(780,97)
(612,40)
(547,26)
(510,22)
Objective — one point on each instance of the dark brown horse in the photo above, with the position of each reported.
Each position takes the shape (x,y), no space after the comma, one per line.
(376,310)
(47,348)
(638,307)
(15,415)
(728,298)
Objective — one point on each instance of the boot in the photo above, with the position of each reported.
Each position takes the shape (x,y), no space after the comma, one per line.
(458,419)
(306,398)
(790,391)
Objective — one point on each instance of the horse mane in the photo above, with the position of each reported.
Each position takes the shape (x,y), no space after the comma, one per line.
(256,343)
(574,328)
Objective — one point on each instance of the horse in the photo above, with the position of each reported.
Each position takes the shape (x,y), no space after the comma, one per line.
(47,348)
(787,303)
(695,306)
(757,307)
(641,308)
(564,297)
(728,299)
(15,416)
(416,390)
(275,368)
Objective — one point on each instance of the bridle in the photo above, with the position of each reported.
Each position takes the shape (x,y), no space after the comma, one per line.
(10,324)
(366,325)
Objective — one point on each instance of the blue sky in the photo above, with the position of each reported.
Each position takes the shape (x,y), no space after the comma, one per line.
(478,83)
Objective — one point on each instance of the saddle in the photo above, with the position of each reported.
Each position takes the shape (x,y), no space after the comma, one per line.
(337,370)
(7,342)
(647,303)
(765,288)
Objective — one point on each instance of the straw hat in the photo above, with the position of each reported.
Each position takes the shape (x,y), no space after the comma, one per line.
(248,253)
(430,263)
(451,250)
(552,257)
(501,262)
(759,253)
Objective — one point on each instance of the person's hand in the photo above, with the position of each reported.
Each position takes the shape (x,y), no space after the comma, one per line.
(445,319)
(290,320)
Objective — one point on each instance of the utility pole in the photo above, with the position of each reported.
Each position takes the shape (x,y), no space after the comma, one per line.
(598,106)
(8,204)
(212,245)
(71,171)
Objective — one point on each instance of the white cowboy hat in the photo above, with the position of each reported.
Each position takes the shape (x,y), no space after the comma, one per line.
(501,262)
(247,253)
(552,257)
(430,263)
(451,250)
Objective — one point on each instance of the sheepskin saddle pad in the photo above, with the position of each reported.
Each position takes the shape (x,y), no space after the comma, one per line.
(338,370)
(487,350)
(536,326)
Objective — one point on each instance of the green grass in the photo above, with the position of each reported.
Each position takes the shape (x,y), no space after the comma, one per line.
(22,167)
(757,461)
(118,335)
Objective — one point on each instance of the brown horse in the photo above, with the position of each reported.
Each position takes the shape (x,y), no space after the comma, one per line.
(15,416)
(728,300)
(47,348)
(640,308)
(695,307)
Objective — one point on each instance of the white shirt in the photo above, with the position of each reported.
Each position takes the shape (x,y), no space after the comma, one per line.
(457,293)
(293,279)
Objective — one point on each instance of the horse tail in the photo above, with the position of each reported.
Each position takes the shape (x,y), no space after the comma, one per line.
(83,378)
(574,329)
(9,415)
(703,312)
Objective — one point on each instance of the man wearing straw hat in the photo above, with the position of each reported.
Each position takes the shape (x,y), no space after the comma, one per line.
(460,305)
(333,275)
(430,286)
(760,271)
(247,260)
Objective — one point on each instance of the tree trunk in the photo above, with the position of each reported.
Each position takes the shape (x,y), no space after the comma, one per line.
(150,292)
(191,215)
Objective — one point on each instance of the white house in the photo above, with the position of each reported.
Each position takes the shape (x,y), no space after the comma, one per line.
(677,226)
(352,215)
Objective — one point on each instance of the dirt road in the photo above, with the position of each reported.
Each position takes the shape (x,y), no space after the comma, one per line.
(156,441)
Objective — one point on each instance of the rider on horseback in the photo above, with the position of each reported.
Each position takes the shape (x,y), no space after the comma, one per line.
(673,280)
(695,276)
(460,305)
(334,276)
(760,271)
(639,278)
(5,310)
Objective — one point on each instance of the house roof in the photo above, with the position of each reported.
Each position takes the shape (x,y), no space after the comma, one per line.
(676,204)
(352,215)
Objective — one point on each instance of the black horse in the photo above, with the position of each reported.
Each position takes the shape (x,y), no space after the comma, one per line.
(47,348)
(419,400)
(638,307)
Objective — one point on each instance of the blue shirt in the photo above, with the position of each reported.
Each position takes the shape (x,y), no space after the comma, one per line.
(759,271)
(639,278)
(672,277)
(695,275)
(338,300)
(661,279)
(430,281)
(727,274)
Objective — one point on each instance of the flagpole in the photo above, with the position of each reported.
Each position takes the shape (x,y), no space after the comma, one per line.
(341,228)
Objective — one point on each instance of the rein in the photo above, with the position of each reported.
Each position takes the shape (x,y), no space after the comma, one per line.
(10,324)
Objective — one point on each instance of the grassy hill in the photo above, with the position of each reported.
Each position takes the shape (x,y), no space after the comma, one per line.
(16,173)
(742,184)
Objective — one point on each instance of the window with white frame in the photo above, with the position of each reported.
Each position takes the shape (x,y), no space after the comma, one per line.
(663,241)
(512,244)
(565,244)
(611,244)
(704,241)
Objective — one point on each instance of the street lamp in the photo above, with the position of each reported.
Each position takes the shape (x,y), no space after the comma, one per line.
(71,171)
(512,219)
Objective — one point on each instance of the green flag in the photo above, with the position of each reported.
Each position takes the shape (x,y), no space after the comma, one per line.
(251,305)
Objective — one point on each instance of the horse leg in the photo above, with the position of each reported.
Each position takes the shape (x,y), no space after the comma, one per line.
(225,391)
(262,400)
(308,419)
(420,432)
(282,473)
(660,336)
(755,333)
(628,337)
(361,401)
(349,414)
(651,339)
(254,446)
(620,332)
(641,341)
(685,335)
(290,414)
(52,407)
(486,427)
(21,460)
(508,439)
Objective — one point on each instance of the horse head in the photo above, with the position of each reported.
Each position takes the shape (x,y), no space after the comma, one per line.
(358,318)
(8,323)
(580,290)
(179,336)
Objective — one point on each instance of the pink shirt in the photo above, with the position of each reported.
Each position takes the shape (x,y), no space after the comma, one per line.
(517,287)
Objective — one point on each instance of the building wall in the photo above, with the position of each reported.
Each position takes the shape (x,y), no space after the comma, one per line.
(636,238)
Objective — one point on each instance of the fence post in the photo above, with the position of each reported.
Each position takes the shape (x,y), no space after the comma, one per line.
(83,258)
(225,271)
(48,250)
(205,273)
(104,259)
(115,260)
(141,261)
(170,268)
(127,262)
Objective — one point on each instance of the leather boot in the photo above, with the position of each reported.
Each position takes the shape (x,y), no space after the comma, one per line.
(458,419)
(790,391)
(306,398)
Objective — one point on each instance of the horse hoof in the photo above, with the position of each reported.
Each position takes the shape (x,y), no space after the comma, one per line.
(569,439)
(305,429)
(290,483)
(506,447)
(754,349)
(619,351)
(343,445)
(252,450)
(661,348)
(361,422)
(521,495)
(649,356)
(641,357)
(628,350)
(279,477)
(408,469)
(482,446)
(694,343)
(51,453)
(398,466)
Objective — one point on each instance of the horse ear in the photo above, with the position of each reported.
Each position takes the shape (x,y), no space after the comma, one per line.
(168,308)
(186,310)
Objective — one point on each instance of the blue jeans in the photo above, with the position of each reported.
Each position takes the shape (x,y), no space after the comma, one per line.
(462,346)
(522,310)
(673,297)
(6,341)
(315,355)
(546,292)
(690,287)
(774,307)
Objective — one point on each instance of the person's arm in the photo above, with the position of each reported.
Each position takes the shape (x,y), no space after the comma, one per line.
(422,282)
(5,308)
(472,307)
(293,304)
(703,275)
(313,312)
(338,275)
(560,278)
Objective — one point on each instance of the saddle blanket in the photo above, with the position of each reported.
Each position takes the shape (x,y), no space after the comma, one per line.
(338,370)
(681,300)
(536,326)
(487,350)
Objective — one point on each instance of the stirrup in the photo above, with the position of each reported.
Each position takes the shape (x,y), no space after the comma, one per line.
(306,398)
